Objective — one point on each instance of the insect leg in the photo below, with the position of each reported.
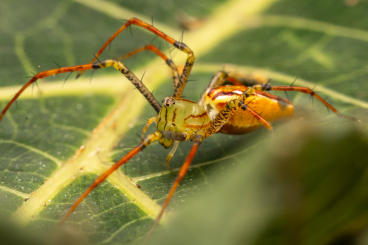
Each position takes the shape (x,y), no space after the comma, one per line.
(148,140)
(179,45)
(155,50)
(228,111)
(183,171)
(266,87)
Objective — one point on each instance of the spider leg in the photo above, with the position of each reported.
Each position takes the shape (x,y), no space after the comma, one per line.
(149,122)
(43,75)
(228,111)
(106,63)
(179,45)
(219,79)
(266,87)
(171,154)
(152,48)
(249,79)
(148,140)
(132,78)
(183,171)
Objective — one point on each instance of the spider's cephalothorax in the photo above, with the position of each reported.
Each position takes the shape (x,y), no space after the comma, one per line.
(227,109)
(181,116)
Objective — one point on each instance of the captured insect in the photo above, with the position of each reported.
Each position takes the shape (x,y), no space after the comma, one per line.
(228,109)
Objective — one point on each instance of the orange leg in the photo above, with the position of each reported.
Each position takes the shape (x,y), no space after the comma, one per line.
(43,75)
(258,117)
(183,171)
(148,140)
(181,46)
(266,87)
(106,63)
(155,50)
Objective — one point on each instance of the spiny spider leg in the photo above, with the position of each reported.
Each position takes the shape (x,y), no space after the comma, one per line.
(222,76)
(132,78)
(147,141)
(149,122)
(266,87)
(234,81)
(228,111)
(197,140)
(181,46)
(106,63)
(43,75)
(217,80)
(171,154)
(152,48)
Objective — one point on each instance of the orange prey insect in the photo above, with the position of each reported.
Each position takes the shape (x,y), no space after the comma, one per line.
(231,109)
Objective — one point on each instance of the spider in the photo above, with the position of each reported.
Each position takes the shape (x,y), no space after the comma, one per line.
(230,109)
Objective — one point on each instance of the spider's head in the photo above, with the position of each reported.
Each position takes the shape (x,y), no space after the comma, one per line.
(181,116)
(168,101)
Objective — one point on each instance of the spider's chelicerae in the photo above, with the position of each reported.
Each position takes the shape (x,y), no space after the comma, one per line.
(231,109)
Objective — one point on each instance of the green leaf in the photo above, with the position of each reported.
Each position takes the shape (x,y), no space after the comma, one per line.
(61,136)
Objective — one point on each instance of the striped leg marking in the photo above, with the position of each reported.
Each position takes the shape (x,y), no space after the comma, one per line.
(132,78)
(228,111)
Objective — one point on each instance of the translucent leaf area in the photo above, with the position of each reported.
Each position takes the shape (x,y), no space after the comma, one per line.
(304,185)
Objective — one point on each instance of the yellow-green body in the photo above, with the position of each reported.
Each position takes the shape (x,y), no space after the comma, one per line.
(181,116)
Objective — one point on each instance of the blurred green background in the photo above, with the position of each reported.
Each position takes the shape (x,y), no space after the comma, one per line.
(306,185)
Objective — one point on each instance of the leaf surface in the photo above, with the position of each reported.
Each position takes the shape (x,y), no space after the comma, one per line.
(61,136)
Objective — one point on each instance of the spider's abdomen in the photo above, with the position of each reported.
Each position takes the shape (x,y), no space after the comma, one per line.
(268,106)
(181,116)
